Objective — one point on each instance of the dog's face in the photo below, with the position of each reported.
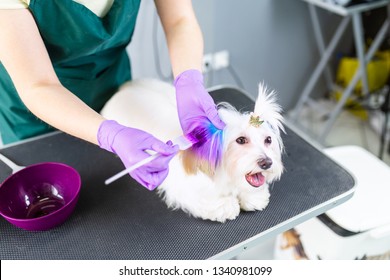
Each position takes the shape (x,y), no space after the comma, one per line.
(252,146)
(252,143)
(252,153)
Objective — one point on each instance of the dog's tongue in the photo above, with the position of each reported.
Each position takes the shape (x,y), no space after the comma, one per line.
(255,180)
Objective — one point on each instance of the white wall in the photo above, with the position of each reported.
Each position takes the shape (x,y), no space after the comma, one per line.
(268,40)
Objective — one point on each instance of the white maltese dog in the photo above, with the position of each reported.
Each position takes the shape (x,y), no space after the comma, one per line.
(215,186)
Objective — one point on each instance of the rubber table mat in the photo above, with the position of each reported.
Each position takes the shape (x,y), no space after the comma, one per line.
(126,221)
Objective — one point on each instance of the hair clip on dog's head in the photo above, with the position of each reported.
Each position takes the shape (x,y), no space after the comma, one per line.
(255,120)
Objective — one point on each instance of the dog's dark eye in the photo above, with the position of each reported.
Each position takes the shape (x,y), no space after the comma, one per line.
(242,140)
(268,140)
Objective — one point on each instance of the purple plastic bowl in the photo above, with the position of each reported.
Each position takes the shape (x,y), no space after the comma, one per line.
(40,196)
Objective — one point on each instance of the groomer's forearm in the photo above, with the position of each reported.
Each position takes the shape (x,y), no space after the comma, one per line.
(183,34)
(185,44)
(56,106)
(24,55)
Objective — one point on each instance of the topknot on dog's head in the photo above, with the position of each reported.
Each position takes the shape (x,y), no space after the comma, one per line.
(268,109)
(206,153)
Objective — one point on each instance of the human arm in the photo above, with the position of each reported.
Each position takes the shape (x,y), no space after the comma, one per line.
(23,54)
(183,34)
(185,44)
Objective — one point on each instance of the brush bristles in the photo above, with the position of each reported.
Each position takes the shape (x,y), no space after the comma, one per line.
(206,151)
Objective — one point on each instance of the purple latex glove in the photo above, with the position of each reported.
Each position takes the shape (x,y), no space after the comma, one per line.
(193,101)
(130,145)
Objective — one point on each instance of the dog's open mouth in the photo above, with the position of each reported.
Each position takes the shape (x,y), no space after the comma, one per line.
(255,180)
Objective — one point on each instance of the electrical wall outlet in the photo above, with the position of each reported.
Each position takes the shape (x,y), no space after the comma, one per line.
(221,60)
(207,63)
(215,61)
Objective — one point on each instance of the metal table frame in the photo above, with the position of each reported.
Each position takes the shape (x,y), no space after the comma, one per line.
(353,13)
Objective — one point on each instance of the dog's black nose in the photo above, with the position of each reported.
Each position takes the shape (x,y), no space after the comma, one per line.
(265,163)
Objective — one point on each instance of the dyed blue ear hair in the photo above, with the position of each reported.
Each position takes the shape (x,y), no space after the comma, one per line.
(206,151)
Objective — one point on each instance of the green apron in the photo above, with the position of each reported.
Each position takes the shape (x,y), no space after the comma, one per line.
(88,54)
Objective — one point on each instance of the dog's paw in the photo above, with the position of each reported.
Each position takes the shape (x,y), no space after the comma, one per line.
(254,201)
(222,210)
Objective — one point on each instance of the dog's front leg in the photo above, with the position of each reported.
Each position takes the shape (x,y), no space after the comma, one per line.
(220,209)
(254,198)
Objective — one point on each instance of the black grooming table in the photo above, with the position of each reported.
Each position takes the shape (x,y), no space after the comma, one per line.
(126,221)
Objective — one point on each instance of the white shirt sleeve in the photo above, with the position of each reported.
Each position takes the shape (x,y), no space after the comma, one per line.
(14,4)
(99,7)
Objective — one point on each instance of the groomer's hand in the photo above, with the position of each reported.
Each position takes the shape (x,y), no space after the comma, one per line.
(193,101)
(130,145)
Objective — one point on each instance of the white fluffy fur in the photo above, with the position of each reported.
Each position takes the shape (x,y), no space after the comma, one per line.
(150,105)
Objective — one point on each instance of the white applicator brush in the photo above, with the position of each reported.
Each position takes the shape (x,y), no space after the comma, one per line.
(183,143)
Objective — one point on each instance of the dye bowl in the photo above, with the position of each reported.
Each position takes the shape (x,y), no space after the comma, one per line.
(41,196)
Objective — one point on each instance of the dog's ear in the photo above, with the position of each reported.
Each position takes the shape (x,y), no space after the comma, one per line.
(206,151)
(268,109)
(228,114)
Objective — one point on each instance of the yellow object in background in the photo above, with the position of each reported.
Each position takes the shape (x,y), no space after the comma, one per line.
(378,71)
